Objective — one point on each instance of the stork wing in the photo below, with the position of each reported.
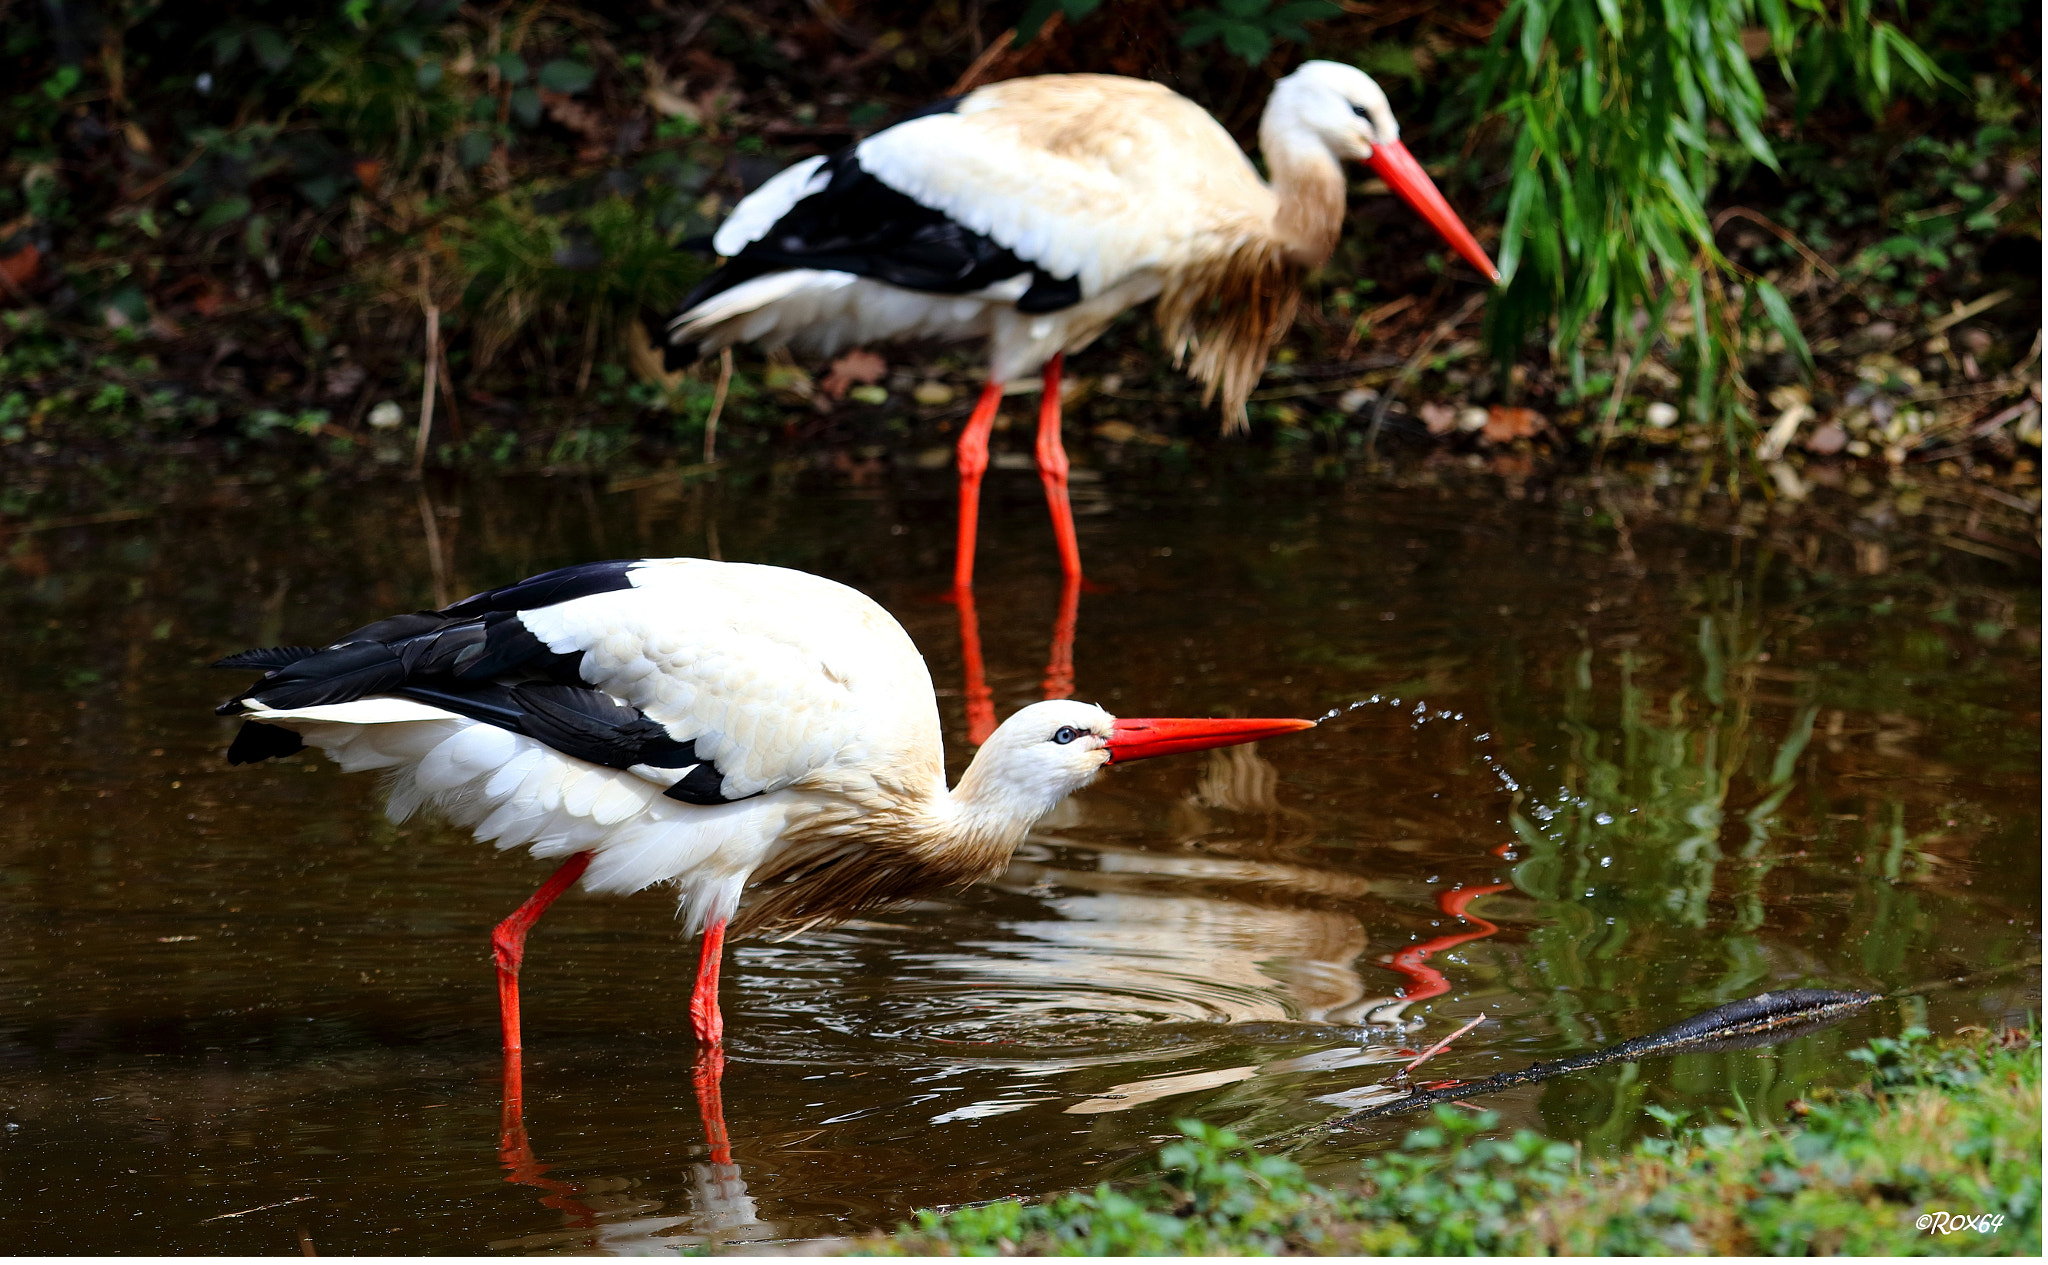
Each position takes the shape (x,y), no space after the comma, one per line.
(833,215)
(719,680)
(1091,177)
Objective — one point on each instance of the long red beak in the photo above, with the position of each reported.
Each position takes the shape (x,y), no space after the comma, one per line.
(1406,177)
(1141,739)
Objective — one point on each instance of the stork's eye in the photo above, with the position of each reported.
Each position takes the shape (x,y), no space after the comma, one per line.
(1359,110)
(1066,734)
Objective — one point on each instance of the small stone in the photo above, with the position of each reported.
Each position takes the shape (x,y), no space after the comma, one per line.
(1357,398)
(1471,419)
(1828,440)
(1441,419)
(1661,416)
(933,394)
(386,415)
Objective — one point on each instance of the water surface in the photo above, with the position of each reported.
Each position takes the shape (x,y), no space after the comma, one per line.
(1617,771)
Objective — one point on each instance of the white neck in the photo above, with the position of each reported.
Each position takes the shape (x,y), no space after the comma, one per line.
(1307,184)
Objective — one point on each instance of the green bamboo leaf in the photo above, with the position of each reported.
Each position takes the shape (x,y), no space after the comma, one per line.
(1781,318)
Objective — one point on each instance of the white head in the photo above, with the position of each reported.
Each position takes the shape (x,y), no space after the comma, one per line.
(1038,757)
(1335,105)
(1049,750)
(1328,110)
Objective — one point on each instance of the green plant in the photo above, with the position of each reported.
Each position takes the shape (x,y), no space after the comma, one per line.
(1627,118)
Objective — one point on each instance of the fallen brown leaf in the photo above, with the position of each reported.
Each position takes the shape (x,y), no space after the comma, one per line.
(1504,425)
(21,265)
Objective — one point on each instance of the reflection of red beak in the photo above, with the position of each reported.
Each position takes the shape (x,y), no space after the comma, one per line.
(1140,739)
(1406,177)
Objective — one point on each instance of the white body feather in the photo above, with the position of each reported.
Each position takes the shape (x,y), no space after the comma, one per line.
(805,693)
(1156,187)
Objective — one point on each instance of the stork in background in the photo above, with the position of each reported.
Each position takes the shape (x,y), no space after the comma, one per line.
(1031,213)
(706,724)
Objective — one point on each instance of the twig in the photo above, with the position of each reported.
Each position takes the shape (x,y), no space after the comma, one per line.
(419,449)
(717,405)
(1443,1045)
(1963,312)
(970,78)
(1414,365)
(1784,235)
(437,562)
(448,391)
(259,1208)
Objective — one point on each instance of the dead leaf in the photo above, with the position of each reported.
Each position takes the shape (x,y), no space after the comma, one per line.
(367,170)
(1504,425)
(1441,419)
(856,366)
(577,117)
(21,265)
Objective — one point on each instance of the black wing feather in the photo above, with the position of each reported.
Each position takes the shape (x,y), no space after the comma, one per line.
(859,225)
(476,659)
(269,657)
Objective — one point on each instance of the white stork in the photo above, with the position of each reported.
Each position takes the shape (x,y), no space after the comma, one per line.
(707,724)
(1031,213)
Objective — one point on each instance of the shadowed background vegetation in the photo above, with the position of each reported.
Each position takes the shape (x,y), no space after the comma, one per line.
(1761,227)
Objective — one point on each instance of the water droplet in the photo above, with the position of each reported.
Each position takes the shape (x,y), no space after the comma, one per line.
(1603,819)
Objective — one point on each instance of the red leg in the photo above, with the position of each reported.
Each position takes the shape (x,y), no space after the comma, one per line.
(704,1016)
(508,945)
(973,459)
(1059,665)
(981,708)
(1052,469)
(710,1026)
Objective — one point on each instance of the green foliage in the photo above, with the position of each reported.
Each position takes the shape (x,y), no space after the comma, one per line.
(1951,1127)
(1250,28)
(1627,118)
(1209,1195)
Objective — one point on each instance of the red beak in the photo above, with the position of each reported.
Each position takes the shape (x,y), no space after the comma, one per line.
(1406,177)
(1141,739)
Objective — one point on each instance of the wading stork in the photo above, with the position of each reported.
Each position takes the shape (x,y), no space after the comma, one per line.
(1031,213)
(710,725)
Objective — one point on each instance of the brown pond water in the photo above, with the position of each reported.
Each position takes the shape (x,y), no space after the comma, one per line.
(242,1013)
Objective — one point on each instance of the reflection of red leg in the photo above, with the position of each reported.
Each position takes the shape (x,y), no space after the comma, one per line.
(515,1152)
(1059,665)
(508,946)
(1427,981)
(981,708)
(706,1075)
(1052,470)
(972,456)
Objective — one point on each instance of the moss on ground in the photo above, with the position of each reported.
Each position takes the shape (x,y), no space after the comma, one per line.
(1939,1129)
